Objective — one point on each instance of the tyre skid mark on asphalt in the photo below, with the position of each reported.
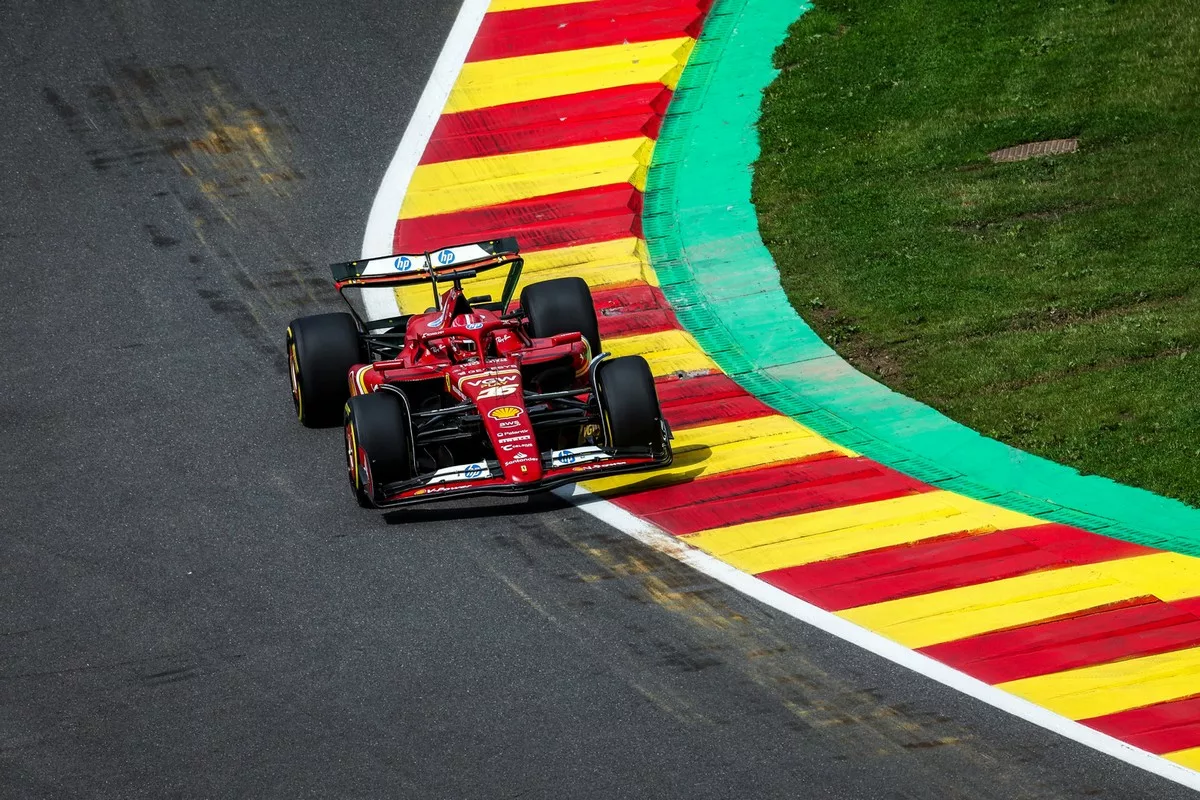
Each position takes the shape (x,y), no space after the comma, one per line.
(742,650)
(224,161)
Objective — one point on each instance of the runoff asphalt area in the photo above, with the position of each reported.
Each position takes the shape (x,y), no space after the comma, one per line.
(192,605)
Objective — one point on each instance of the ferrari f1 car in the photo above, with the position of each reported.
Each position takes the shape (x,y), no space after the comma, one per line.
(474,395)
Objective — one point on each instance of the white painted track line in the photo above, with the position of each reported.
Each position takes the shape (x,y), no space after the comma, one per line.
(385,210)
(780,600)
(381,224)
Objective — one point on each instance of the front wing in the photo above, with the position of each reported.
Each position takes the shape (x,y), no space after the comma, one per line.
(486,478)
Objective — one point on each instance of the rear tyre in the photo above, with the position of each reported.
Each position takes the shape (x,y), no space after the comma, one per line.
(629,403)
(378,443)
(563,305)
(321,350)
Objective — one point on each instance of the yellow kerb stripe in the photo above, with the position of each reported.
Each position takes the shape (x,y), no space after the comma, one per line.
(500,81)
(819,535)
(971,610)
(1109,688)
(667,352)
(1189,757)
(619,261)
(516,5)
(493,180)
(614,253)
(729,446)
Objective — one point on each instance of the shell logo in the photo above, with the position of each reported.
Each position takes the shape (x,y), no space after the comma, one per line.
(504,412)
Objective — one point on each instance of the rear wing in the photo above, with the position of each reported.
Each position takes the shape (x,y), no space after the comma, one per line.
(407,268)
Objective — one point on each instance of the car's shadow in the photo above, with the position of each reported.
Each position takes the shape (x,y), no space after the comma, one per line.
(649,483)
(476,508)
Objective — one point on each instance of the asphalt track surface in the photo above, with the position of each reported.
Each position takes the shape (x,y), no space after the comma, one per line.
(191,604)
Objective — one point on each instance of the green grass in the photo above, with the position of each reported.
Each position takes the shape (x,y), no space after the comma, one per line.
(1054,303)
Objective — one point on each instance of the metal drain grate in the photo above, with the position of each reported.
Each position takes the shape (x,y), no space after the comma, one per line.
(1050,147)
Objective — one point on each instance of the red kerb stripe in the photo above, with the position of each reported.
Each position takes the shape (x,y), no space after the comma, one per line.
(581,118)
(651,98)
(672,390)
(1160,728)
(541,223)
(632,309)
(765,492)
(1126,630)
(682,416)
(944,563)
(554,29)
(707,400)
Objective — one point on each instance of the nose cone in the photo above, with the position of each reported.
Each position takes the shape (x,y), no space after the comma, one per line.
(521,472)
(515,445)
(498,395)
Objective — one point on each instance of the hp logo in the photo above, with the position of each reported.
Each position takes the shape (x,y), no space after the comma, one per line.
(403,264)
(446,257)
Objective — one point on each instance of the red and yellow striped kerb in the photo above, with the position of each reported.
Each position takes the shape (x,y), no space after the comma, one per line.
(547,135)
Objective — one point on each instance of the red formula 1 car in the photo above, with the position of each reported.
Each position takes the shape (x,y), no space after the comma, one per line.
(473,396)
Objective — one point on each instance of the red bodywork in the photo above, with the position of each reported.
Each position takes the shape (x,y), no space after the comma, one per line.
(491,409)
(448,345)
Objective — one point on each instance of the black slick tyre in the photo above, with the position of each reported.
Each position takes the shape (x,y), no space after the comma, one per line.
(321,349)
(562,305)
(378,443)
(629,403)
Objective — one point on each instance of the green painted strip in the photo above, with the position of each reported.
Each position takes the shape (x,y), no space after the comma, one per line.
(702,234)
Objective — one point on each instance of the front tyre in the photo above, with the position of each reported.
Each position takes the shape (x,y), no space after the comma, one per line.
(321,349)
(629,403)
(378,444)
(562,305)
